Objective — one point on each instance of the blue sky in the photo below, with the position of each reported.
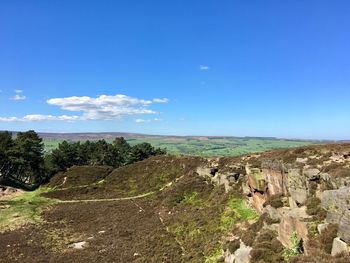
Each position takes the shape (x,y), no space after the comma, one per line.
(185,67)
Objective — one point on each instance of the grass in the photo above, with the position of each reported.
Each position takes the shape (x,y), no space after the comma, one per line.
(193,199)
(223,146)
(23,209)
(237,210)
(216,256)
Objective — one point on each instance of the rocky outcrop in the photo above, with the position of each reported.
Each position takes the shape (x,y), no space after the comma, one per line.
(297,185)
(337,205)
(293,222)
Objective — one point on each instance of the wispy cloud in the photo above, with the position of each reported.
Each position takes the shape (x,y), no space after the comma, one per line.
(19,95)
(148,120)
(39,117)
(204,67)
(103,107)
(163,100)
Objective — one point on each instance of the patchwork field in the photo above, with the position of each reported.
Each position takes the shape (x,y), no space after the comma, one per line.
(199,146)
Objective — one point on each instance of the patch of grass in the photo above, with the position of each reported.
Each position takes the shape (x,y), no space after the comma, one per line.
(216,256)
(23,209)
(236,211)
(296,247)
(193,199)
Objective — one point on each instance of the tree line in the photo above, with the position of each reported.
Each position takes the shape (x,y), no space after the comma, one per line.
(24,164)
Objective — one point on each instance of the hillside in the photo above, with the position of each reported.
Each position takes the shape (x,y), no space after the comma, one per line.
(206,146)
(278,206)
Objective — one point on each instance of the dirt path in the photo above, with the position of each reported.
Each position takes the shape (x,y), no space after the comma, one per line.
(106,199)
(121,198)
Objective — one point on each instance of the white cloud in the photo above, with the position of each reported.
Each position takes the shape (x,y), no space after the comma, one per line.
(18,95)
(141,120)
(39,117)
(148,120)
(8,119)
(203,67)
(105,107)
(164,100)
(102,107)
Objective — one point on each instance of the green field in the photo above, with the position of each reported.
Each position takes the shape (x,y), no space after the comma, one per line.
(209,146)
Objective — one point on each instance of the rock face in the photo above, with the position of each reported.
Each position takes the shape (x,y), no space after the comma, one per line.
(339,247)
(337,204)
(292,223)
(276,182)
(297,186)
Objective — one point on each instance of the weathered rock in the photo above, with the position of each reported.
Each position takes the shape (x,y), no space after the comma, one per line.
(335,202)
(241,255)
(276,182)
(289,225)
(256,180)
(312,174)
(339,247)
(257,200)
(297,185)
(344,227)
(321,227)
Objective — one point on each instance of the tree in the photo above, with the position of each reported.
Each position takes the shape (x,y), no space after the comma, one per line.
(27,156)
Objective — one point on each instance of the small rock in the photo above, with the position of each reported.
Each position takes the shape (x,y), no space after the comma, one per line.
(79,245)
(322,227)
(339,247)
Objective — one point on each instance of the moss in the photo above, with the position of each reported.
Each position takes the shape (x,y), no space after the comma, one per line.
(236,211)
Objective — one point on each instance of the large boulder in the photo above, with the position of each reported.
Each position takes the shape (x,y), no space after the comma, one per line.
(292,222)
(297,185)
(337,204)
(276,182)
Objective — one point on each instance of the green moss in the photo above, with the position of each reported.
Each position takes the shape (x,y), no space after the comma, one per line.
(236,211)
(26,208)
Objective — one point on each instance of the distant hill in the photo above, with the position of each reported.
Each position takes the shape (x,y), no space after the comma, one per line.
(207,146)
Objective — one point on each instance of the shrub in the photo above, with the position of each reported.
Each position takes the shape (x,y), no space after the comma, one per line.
(326,237)
(313,208)
(274,201)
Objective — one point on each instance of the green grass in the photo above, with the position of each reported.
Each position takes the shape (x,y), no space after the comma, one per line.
(23,209)
(193,199)
(237,210)
(215,256)
(223,146)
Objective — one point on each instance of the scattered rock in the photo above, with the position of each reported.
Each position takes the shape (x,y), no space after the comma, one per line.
(241,255)
(339,247)
(79,245)
(321,227)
